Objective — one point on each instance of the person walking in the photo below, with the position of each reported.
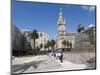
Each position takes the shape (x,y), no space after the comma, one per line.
(54,55)
(61,57)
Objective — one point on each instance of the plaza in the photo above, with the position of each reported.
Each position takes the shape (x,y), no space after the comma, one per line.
(59,47)
(44,63)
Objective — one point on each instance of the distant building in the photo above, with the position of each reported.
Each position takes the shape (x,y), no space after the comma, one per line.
(26,39)
(43,38)
(62,34)
(17,41)
(16,38)
(22,42)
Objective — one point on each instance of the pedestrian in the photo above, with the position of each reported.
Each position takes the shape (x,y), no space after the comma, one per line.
(54,55)
(61,57)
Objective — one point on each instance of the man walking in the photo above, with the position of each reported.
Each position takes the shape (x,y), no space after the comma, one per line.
(61,57)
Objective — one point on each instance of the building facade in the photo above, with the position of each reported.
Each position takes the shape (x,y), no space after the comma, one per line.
(18,42)
(42,39)
(26,39)
(22,42)
(62,34)
(16,38)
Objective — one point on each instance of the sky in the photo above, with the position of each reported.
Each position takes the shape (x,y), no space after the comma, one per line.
(43,16)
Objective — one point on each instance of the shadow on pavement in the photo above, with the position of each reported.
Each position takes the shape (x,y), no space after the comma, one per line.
(91,63)
(23,67)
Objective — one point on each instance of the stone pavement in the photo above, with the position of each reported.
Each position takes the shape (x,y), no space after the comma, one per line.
(43,63)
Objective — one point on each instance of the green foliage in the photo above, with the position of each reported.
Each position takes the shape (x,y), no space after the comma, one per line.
(44,52)
(34,35)
(47,45)
(53,43)
(80,28)
(30,52)
(41,45)
(64,42)
(70,44)
(37,51)
(67,43)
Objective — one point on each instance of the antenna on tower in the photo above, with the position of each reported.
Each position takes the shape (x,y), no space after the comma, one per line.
(61,11)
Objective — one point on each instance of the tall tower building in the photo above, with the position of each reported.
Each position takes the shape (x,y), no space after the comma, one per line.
(61,33)
(61,24)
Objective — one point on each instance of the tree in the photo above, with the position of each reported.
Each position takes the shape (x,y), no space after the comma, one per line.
(67,43)
(37,51)
(80,28)
(48,44)
(41,46)
(41,37)
(64,43)
(34,35)
(70,45)
(45,46)
(53,44)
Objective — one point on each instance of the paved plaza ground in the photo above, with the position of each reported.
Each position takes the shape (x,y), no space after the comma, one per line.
(43,63)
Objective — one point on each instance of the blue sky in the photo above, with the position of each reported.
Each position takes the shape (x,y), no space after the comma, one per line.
(43,16)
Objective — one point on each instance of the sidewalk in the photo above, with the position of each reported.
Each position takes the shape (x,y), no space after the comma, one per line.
(48,64)
(67,65)
(22,60)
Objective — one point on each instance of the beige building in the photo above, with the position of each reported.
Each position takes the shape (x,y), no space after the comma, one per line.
(62,34)
(42,39)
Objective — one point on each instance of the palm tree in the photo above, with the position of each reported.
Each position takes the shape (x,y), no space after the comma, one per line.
(34,35)
(80,28)
(53,44)
(41,37)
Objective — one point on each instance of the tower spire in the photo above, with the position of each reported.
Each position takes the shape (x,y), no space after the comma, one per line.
(61,23)
(61,13)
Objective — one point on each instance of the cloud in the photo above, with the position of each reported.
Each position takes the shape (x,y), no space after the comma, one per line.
(89,8)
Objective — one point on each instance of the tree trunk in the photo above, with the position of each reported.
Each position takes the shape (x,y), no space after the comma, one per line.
(34,46)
